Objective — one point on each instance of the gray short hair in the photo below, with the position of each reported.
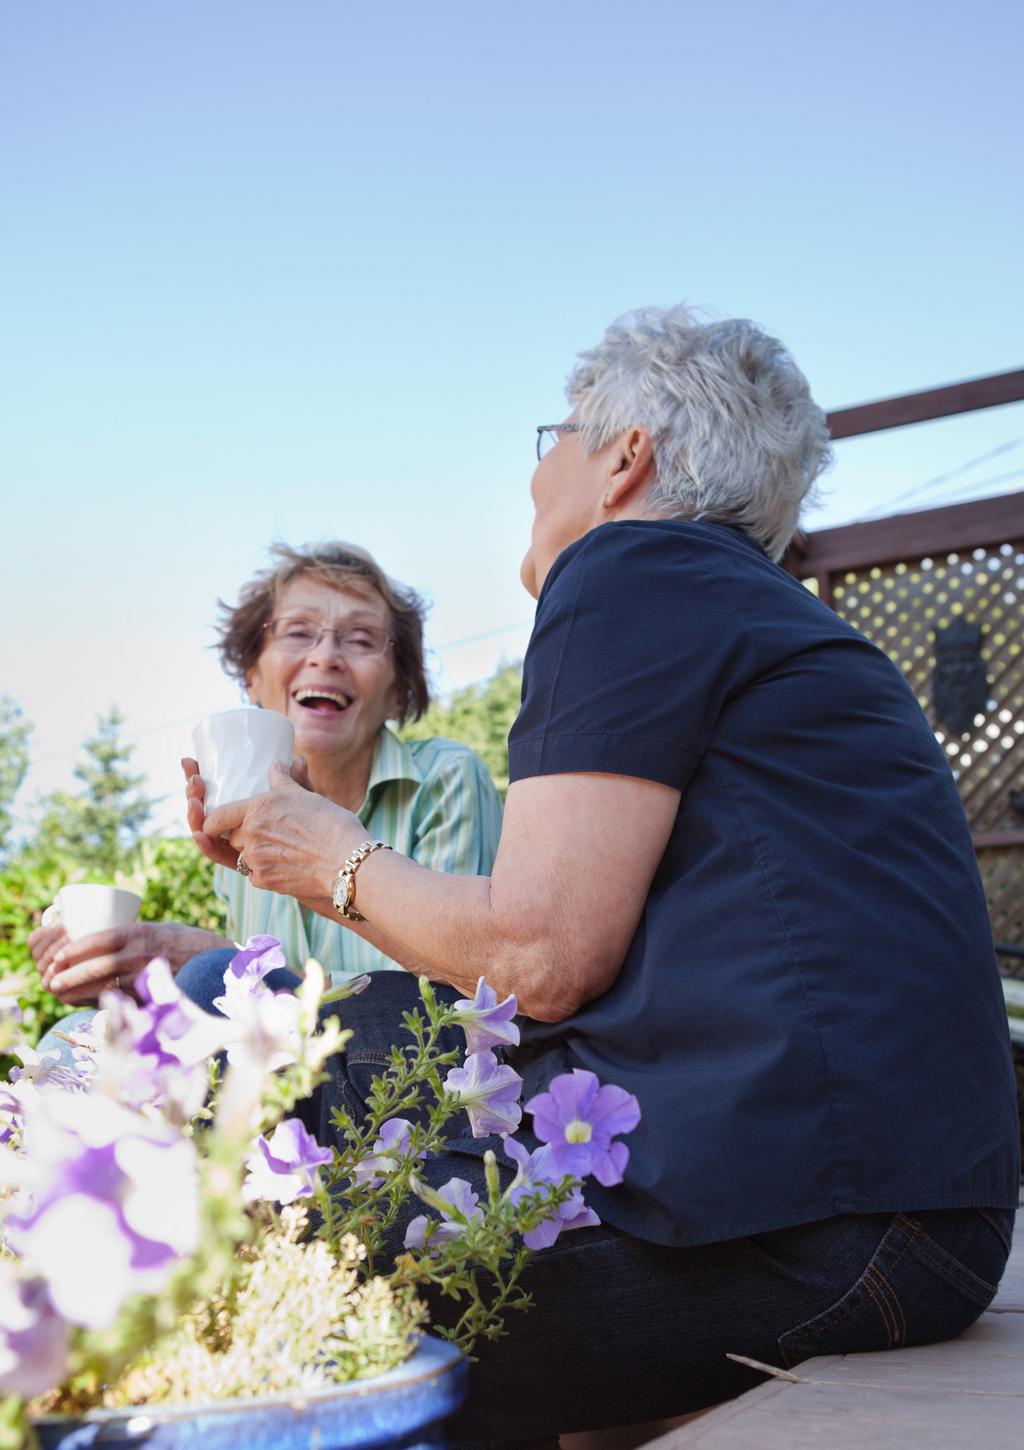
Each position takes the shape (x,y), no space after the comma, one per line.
(737,437)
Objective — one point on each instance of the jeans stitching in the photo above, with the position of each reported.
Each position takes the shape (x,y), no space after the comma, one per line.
(951,1269)
(876,1289)
(998,1227)
(840,1311)
(898,1331)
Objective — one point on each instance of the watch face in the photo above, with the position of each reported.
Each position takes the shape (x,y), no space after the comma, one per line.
(342,893)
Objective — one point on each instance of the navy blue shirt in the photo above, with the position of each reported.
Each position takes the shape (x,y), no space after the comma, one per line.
(809,1012)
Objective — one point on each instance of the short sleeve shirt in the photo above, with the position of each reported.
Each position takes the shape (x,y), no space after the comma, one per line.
(432,800)
(809,1012)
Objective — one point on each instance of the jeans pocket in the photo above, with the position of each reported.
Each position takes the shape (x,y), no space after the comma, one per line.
(913,1291)
(357,1070)
(1000,1221)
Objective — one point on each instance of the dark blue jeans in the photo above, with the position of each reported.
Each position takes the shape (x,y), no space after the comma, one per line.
(624,1331)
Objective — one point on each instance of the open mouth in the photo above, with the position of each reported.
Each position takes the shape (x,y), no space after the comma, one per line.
(322,702)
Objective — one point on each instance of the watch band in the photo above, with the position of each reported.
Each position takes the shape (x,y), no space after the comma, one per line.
(344,893)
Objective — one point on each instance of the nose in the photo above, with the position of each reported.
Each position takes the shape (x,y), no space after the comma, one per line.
(327,649)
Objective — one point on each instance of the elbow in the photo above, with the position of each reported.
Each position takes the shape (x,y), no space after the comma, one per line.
(552,985)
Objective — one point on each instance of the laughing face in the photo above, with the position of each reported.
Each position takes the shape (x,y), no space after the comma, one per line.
(336,701)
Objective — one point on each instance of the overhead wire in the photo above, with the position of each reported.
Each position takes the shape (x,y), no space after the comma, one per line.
(941,478)
(134,736)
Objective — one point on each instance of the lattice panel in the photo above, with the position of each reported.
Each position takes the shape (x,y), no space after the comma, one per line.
(1002,872)
(899,605)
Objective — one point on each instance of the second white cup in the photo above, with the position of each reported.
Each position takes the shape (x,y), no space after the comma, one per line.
(236,749)
(86,907)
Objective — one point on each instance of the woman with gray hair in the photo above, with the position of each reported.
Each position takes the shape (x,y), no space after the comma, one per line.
(734,877)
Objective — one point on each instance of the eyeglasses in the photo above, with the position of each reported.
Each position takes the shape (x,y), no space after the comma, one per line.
(547,435)
(355,641)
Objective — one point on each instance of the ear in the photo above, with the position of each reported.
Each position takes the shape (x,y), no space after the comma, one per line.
(632,469)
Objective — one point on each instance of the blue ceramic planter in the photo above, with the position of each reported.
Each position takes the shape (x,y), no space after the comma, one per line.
(403,1410)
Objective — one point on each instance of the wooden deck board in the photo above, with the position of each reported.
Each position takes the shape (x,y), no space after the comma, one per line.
(958,1395)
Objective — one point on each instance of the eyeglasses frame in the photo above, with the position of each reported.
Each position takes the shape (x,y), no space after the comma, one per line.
(555,428)
(268,625)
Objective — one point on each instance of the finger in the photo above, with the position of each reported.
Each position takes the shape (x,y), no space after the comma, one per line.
(190,767)
(45,939)
(216,850)
(85,981)
(196,812)
(50,963)
(195,785)
(97,944)
(102,945)
(78,996)
(299,772)
(227,817)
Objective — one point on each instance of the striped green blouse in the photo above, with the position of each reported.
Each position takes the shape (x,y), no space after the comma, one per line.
(432,800)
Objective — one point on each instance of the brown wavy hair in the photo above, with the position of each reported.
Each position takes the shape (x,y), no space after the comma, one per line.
(342,566)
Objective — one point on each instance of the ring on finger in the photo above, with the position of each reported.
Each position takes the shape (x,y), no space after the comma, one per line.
(242,866)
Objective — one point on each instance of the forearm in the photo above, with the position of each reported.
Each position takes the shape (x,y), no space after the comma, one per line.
(456,929)
(180,943)
(545,925)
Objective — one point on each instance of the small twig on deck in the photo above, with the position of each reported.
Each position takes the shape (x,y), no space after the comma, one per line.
(75,1041)
(778,1374)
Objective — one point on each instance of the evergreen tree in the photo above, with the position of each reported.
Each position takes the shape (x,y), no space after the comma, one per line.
(479,716)
(101,826)
(14,733)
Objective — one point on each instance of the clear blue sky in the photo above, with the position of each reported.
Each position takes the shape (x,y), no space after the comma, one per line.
(309,269)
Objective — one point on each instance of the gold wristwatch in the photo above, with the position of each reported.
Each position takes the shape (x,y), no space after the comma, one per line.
(344,893)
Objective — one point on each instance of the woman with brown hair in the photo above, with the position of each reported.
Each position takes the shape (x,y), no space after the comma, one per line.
(326,638)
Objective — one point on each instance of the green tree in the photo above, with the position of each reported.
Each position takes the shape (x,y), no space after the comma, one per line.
(101,826)
(175,881)
(94,833)
(479,716)
(14,733)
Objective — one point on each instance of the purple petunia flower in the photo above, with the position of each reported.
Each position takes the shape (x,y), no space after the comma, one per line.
(489,1092)
(268,1025)
(391,1146)
(579,1118)
(459,1205)
(486,1021)
(10,1115)
(122,1185)
(43,1069)
(170,1028)
(245,972)
(34,1340)
(154,1054)
(535,1170)
(284,1167)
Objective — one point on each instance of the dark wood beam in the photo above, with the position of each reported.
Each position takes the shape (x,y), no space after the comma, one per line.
(960,526)
(921,407)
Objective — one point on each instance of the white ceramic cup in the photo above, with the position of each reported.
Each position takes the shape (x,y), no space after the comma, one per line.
(86,907)
(236,749)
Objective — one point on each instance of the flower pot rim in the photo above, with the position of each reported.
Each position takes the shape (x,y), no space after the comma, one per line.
(442,1358)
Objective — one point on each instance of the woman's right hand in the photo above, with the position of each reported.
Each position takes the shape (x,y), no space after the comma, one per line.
(195,794)
(218,850)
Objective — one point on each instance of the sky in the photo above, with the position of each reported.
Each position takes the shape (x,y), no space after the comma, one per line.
(318,269)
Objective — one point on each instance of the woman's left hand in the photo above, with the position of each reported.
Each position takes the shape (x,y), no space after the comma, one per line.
(291,840)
